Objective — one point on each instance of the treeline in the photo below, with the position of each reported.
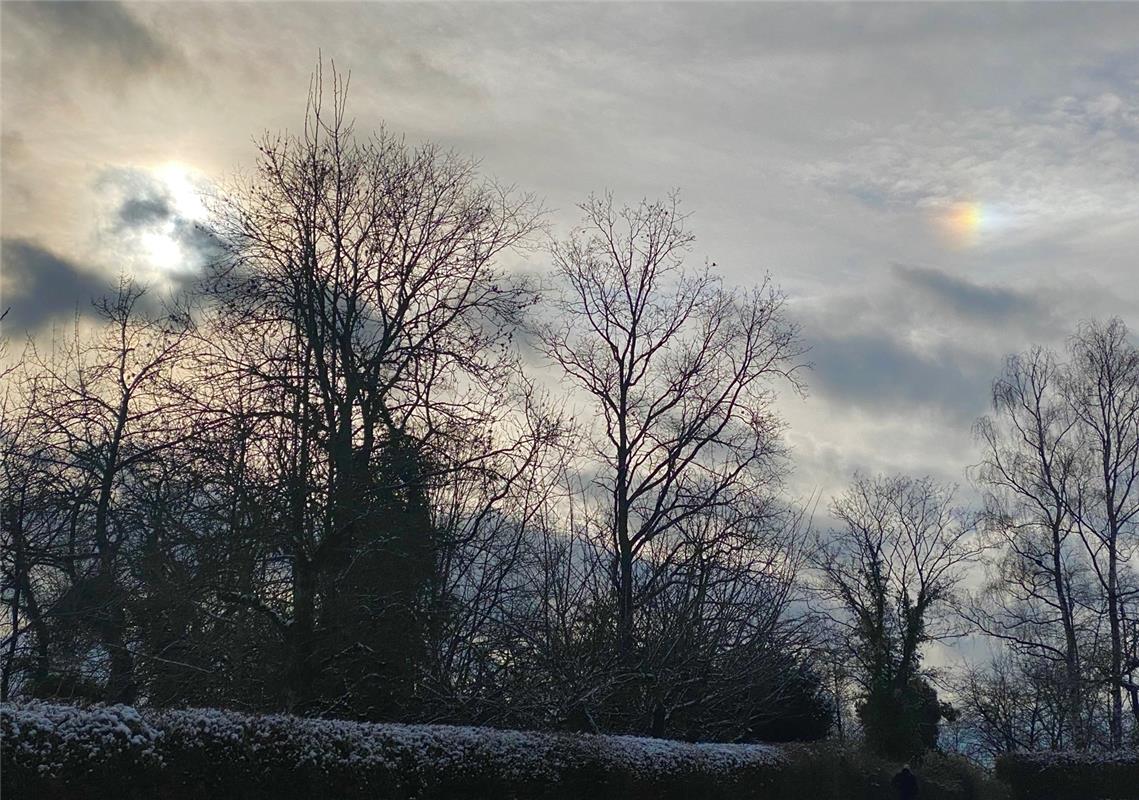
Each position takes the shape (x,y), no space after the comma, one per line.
(1060,474)
(326,482)
(363,469)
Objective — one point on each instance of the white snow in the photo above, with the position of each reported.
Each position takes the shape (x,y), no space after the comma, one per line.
(49,738)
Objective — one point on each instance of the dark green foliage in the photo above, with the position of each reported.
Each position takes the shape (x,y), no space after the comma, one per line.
(804,713)
(944,775)
(901,723)
(826,771)
(372,601)
(1071,776)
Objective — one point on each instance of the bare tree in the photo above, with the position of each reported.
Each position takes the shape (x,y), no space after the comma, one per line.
(1014,704)
(19,490)
(1060,469)
(679,373)
(1031,474)
(718,635)
(485,521)
(101,415)
(362,304)
(1103,392)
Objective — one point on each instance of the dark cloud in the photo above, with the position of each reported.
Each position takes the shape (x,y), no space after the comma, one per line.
(141,211)
(923,340)
(40,286)
(920,341)
(965,297)
(880,372)
(101,36)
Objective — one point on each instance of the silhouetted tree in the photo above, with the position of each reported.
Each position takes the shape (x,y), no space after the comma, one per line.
(1060,472)
(890,574)
(679,373)
(101,413)
(361,303)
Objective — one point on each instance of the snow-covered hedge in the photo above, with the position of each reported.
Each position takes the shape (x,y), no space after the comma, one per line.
(68,752)
(1072,776)
(63,742)
(52,752)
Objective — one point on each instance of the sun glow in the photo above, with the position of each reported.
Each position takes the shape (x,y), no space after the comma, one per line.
(162,249)
(165,244)
(184,190)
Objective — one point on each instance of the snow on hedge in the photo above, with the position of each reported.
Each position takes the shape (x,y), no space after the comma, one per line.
(52,738)
(1072,758)
(61,741)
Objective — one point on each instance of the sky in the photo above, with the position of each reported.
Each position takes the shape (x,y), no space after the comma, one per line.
(933,186)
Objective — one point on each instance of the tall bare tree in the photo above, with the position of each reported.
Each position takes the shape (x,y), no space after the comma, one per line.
(1103,393)
(1060,471)
(679,373)
(362,302)
(1031,475)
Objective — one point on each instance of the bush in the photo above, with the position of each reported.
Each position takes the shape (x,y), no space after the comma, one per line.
(53,751)
(1072,776)
(854,773)
(54,747)
(945,775)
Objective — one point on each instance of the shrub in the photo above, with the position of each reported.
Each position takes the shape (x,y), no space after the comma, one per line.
(67,752)
(1072,776)
(52,751)
(55,747)
(945,775)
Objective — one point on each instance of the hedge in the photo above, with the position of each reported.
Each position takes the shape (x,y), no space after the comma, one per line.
(1071,776)
(55,751)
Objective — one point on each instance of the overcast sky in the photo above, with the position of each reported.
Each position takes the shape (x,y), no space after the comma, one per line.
(934,186)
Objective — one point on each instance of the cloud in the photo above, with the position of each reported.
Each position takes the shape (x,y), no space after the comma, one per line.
(142,211)
(155,225)
(883,371)
(103,38)
(921,340)
(817,141)
(40,286)
(152,230)
(1063,166)
(968,298)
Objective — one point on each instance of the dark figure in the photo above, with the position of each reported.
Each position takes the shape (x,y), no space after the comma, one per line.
(905,783)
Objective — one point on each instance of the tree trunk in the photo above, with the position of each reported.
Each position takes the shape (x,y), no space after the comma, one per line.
(111,616)
(624,543)
(302,635)
(1072,690)
(1116,647)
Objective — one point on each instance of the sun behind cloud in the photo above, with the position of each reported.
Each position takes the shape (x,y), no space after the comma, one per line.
(184,185)
(154,222)
(165,245)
